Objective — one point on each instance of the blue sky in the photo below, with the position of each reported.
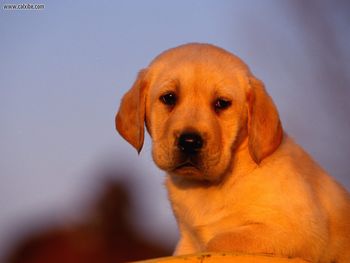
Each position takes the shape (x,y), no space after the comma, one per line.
(64,69)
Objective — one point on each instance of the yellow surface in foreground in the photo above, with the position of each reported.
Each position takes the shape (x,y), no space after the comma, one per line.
(224,258)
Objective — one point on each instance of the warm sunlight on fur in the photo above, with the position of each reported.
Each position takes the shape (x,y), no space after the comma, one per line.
(236,181)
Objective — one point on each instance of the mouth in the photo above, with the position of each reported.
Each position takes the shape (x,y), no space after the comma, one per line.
(185,164)
(188,167)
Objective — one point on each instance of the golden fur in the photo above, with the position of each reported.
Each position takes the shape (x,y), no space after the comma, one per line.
(252,188)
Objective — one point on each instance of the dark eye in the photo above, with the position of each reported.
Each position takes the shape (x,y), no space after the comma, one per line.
(221,104)
(168,99)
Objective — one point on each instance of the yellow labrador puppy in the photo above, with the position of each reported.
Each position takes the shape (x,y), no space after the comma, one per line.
(236,181)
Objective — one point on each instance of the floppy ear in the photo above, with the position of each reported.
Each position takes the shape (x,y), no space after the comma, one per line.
(131,115)
(265,131)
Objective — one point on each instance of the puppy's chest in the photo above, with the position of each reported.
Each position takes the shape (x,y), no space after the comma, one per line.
(199,207)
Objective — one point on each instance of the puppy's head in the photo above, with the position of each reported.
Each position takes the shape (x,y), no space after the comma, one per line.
(199,103)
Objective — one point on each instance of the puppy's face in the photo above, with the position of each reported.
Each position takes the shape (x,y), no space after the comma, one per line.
(197,103)
(196,111)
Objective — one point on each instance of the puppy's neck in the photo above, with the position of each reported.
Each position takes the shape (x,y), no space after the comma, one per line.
(241,163)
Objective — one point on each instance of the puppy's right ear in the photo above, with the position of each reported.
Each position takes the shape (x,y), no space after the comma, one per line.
(130,118)
(265,131)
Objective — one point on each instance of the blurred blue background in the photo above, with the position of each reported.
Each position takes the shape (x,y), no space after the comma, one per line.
(64,69)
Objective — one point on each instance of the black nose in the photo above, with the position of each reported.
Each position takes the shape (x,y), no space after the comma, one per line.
(190,143)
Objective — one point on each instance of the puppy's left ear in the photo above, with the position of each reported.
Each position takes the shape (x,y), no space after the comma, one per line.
(265,131)
(130,118)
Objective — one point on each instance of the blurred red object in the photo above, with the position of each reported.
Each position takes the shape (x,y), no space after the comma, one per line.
(104,237)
